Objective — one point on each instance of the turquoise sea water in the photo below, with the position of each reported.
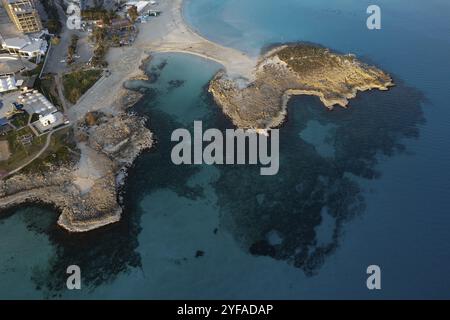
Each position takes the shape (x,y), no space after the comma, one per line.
(367,185)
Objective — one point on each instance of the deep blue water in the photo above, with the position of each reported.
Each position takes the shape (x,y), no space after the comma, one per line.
(366,185)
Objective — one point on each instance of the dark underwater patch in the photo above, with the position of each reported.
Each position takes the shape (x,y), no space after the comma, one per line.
(269,216)
(292,203)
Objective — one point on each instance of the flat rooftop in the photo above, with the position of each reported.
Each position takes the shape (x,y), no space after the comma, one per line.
(59,121)
(35,102)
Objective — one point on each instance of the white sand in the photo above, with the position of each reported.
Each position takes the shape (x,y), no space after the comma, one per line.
(166,33)
(177,36)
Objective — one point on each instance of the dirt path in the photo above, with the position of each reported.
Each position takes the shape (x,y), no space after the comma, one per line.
(59,88)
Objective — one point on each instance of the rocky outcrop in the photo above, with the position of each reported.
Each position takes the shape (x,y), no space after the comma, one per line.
(294,70)
(121,137)
(85,191)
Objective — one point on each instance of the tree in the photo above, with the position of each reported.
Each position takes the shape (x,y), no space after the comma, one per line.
(54,26)
(72,48)
(99,34)
(116,40)
(74,95)
(133,13)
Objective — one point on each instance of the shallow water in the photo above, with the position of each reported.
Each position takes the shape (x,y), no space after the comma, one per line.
(367,185)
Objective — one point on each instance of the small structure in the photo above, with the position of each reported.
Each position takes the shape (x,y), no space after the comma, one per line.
(100,23)
(47,120)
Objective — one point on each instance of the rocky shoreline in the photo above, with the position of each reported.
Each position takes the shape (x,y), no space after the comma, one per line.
(85,190)
(294,70)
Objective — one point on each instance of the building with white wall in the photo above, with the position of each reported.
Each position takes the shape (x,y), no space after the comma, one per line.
(25,47)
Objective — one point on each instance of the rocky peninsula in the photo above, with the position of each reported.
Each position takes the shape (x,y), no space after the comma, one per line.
(85,190)
(299,69)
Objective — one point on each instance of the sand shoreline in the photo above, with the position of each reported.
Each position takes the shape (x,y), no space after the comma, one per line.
(166,33)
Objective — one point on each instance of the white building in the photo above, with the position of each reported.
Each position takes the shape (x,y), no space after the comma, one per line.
(47,120)
(49,116)
(25,47)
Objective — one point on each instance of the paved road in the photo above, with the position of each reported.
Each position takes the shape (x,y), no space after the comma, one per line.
(59,52)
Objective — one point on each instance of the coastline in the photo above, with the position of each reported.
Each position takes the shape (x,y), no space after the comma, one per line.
(85,198)
(83,201)
(87,193)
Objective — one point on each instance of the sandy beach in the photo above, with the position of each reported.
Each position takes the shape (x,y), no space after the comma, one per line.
(166,33)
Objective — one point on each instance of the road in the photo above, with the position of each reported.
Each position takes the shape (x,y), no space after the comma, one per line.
(59,52)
